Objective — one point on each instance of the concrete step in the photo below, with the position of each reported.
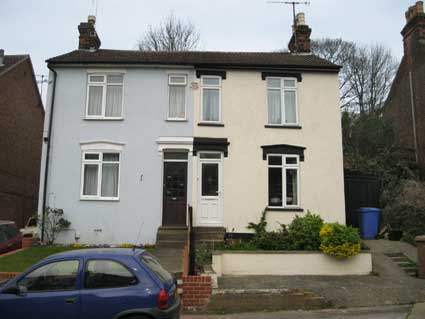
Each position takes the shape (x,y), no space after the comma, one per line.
(236,301)
(177,236)
(209,233)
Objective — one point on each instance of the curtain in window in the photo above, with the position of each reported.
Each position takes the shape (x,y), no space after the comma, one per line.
(177,101)
(273,102)
(90,179)
(95,100)
(291,187)
(110,180)
(210,107)
(275,186)
(113,101)
(290,107)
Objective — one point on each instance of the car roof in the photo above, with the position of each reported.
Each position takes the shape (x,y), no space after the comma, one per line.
(98,253)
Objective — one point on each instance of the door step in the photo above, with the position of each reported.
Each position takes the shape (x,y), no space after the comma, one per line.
(172,237)
(408,266)
(209,236)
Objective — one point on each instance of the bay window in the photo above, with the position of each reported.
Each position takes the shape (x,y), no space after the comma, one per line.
(211,99)
(100,175)
(104,96)
(283,180)
(282,101)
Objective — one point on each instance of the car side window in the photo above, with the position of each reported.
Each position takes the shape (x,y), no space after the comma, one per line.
(11,231)
(102,273)
(61,275)
(3,234)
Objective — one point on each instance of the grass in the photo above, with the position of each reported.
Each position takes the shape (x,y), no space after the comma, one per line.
(22,260)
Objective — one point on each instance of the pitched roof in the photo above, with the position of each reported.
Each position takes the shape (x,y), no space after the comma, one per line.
(198,59)
(10,61)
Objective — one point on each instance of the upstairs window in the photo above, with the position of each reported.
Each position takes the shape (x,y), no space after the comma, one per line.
(282,101)
(100,175)
(211,99)
(104,96)
(177,97)
(283,181)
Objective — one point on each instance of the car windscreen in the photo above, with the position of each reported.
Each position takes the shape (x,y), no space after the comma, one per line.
(3,235)
(154,265)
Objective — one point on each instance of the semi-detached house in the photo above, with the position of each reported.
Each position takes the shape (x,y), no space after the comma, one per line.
(136,138)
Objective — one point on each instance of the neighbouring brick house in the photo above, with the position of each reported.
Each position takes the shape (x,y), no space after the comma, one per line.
(21,131)
(405,105)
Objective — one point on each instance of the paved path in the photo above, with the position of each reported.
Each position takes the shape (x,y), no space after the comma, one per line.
(390,312)
(390,285)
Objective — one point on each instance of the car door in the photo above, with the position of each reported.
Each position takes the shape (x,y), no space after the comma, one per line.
(50,291)
(110,287)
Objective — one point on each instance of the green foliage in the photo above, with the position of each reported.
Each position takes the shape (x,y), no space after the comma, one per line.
(259,229)
(54,223)
(203,257)
(406,210)
(370,147)
(339,241)
(236,245)
(303,232)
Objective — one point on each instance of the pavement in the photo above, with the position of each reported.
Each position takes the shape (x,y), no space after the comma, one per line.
(387,312)
(388,285)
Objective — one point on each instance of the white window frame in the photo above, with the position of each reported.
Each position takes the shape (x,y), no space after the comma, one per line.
(170,83)
(99,162)
(282,90)
(104,84)
(284,167)
(203,86)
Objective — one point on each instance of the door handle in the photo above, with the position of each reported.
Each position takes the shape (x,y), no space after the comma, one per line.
(70,300)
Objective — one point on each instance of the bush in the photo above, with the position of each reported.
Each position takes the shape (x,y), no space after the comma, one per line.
(54,223)
(304,232)
(406,211)
(339,241)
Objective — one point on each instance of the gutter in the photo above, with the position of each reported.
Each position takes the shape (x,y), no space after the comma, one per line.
(49,135)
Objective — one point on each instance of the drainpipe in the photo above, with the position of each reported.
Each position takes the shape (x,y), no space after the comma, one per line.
(412,103)
(49,135)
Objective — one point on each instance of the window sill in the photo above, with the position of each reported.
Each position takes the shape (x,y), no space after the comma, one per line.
(296,127)
(103,119)
(210,124)
(176,120)
(100,199)
(285,209)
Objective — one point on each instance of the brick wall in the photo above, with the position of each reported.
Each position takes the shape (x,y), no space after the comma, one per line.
(21,131)
(197,291)
(8,275)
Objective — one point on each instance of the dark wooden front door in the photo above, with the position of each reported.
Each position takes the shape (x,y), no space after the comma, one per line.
(174,194)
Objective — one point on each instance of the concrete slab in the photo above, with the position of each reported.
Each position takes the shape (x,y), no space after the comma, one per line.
(418,311)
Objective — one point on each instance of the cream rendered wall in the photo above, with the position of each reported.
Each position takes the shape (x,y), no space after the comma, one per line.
(245,178)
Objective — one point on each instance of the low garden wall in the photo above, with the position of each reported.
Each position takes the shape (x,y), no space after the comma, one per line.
(289,263)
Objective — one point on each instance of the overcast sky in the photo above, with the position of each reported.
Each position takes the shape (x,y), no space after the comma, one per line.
(46,28)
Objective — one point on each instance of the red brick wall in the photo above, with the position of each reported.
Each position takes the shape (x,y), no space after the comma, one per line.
(398,105)
(197,291)
(8,275)
(21,131)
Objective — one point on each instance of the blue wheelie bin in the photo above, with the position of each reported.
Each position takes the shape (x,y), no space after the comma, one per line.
(369,222)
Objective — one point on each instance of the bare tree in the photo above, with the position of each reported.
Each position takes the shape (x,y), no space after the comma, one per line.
(366,75)
(339,52)
(172,34)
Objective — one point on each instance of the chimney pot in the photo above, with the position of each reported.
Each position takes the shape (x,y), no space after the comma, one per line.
(300,40)
(89,39)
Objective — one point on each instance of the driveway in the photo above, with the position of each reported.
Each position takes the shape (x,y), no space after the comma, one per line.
(389,312)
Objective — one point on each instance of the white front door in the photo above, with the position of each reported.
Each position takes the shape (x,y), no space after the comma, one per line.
(210,188)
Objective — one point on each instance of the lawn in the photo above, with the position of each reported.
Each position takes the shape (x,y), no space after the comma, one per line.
(22,260)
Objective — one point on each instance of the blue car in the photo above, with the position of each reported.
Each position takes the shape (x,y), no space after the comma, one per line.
(92,283)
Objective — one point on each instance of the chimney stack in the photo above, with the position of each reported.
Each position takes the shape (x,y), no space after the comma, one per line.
(300,40)
(414,31)
(88,40)
(1,57)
